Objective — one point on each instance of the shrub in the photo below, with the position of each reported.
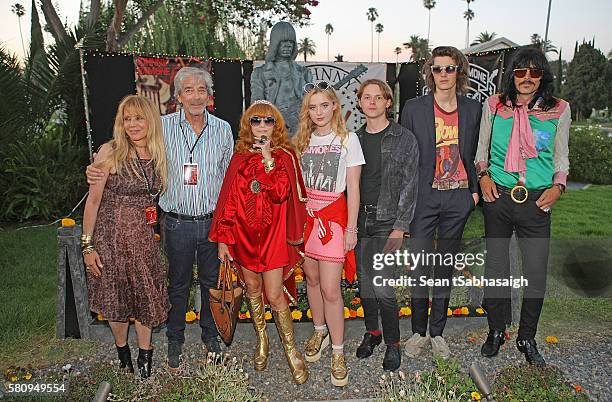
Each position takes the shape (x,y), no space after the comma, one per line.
(42,176)
(590,154)
(445,383)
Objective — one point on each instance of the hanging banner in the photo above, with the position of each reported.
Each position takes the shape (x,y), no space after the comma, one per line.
(485,75)
(155,79)
(346,79)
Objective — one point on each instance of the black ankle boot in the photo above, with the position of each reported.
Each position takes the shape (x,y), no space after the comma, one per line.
(368,344)
(529,348)
(494,341)
(125,358)
(145,361)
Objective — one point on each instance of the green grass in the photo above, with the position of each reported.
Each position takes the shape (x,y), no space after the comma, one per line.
(28,268)
(578,214)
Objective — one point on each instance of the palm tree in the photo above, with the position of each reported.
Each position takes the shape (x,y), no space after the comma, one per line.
(329,29)
(379,29)
(419,48)
(398,50)
(484,37)
(468,15)
(307,48)
(545,45)
(429,4)
(19,11)
(372,14)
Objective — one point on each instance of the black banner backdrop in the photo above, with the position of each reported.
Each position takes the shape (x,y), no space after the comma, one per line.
(486,71)
(111,76)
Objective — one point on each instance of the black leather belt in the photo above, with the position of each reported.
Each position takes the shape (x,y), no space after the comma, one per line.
(191,218)
(532,195)
(367,208)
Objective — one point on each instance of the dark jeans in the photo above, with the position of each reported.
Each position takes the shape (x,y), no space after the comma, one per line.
(185,240)
(532,226)
(372,237)
(445,212)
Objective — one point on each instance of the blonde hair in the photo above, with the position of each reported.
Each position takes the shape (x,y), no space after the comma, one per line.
(123,153)
(307,126)
(280,138)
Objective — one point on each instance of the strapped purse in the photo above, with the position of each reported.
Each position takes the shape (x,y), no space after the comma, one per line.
(226,300)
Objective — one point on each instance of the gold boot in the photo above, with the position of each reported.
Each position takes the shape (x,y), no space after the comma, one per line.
(284,325)
(256,306)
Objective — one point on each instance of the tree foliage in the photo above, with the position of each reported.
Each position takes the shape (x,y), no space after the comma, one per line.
(588,84)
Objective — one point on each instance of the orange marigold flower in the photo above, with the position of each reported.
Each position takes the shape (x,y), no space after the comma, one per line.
(457,311)
(68,222)
(360,313)
(406,311)
(353,313)
(296,315)
(268,315)
(465,311)
(552,339)
(480,311)
(449,312)
(347,313)
(309,314)
(475,396)
(578,388)
(190,316)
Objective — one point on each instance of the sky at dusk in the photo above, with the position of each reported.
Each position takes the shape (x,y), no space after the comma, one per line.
(517,20)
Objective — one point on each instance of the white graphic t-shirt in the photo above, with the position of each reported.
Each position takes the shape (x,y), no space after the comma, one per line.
(324,162)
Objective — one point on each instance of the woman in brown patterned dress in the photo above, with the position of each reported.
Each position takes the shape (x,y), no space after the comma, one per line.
(125,277)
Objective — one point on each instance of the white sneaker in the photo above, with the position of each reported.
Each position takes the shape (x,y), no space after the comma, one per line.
(439,347)
(415,345)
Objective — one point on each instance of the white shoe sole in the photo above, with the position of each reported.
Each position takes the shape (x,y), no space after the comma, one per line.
(317,357)
(339,383)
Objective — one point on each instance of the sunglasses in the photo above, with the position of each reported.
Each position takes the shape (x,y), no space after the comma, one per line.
(450,69)
(322,85)
(533,72)
(268,121)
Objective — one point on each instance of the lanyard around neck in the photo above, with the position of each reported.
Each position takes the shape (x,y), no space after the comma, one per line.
(187,140)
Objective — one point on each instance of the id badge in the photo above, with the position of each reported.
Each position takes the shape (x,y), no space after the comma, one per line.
(190,174)
(151,215)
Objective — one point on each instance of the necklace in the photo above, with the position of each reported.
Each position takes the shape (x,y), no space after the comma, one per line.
(323,135)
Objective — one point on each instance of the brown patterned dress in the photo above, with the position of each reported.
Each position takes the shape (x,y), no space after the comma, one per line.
(133,280)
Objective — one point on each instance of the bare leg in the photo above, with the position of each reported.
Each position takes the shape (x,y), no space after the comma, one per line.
(120,332)
(330,274)
(144,336)
(253,281)
(313,289)
(273,281)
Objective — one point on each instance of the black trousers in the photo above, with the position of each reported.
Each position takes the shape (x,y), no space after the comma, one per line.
(444,212)
(376,297)
(532,226)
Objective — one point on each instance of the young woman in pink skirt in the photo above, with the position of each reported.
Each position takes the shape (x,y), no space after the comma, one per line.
(331,160)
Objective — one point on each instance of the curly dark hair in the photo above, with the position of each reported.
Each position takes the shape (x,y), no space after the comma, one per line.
(524,58)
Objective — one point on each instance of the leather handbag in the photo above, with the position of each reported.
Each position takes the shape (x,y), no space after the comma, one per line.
(226,300)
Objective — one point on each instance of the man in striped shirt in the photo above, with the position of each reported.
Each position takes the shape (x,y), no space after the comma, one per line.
(199,148)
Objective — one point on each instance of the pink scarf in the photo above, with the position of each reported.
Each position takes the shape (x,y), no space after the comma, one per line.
(522,143)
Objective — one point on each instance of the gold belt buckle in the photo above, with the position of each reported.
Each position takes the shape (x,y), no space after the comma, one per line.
(255,187)
(519,194)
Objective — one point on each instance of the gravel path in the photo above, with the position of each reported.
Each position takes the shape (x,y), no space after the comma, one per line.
(585,361)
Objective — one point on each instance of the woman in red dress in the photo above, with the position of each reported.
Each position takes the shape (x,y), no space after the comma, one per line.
(259,223)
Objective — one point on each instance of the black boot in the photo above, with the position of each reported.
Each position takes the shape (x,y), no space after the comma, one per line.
(393,358)
(145,361)
(125,358)
(491,346)
(367,345)
(529,348)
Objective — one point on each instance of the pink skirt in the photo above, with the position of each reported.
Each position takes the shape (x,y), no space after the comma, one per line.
(333,250)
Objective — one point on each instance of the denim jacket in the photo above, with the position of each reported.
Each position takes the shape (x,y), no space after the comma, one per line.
(399,176)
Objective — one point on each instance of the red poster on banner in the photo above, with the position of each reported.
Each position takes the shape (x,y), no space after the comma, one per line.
(155,79)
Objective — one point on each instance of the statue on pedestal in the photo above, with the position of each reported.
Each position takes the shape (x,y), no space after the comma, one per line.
(280,79)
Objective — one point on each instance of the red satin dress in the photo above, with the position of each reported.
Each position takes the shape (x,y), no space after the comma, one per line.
(254,218)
